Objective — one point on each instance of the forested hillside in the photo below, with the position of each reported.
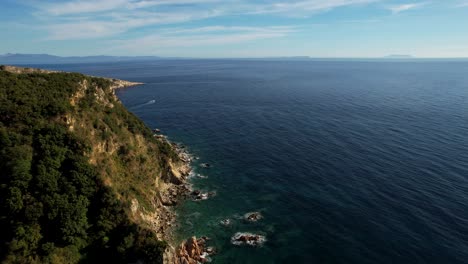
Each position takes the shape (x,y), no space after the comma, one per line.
(78,173)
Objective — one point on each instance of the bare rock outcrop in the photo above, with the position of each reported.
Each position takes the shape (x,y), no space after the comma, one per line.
(117,84)
(247,239)
(192,251)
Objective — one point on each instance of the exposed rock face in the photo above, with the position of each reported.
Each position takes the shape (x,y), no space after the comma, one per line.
(193,251)
(178,173)
(129,161)
(117,84)
(173,194)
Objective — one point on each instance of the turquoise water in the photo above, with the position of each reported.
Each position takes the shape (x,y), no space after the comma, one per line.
(348,161)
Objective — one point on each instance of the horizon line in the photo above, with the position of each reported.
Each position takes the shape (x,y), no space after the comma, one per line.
(388,57)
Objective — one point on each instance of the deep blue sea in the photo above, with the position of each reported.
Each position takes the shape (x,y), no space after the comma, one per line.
(348,161)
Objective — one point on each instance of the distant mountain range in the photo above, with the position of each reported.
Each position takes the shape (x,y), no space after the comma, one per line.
(30,59)
(16,58)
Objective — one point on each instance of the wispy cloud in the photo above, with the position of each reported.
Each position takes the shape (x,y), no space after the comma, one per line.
(405,7)
(91,19)
(81,6)
(201,36)
(92,6)
(120,23)
(305,7)
(226,27)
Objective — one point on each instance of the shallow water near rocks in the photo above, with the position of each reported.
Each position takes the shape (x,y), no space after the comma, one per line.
(348,162)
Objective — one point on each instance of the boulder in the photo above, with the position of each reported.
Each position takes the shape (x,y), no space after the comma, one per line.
(225,222)
(205,165)
(193,251)
(253,216)
(192,247)
(247,239)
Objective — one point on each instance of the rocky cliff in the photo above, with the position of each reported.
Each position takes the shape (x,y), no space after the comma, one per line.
(118,157)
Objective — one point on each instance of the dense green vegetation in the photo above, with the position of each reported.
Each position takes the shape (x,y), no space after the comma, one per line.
(54,206)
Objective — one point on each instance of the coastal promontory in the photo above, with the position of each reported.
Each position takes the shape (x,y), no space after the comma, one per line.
(81,178)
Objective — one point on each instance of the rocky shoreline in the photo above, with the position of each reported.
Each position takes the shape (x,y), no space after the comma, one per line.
(193,250)
(119,84)
(176,188)
(165,185)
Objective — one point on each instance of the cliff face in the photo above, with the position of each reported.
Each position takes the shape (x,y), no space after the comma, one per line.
(85,135)
(141,168)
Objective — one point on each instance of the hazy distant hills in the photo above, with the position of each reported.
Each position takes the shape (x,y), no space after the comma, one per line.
(27,59)
(16,58)
(10,58)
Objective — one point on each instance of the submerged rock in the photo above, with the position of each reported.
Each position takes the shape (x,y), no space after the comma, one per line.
(205,165)
(210,250)
(225,222)
(201,176)
(253,216)
(198,195)
(247,239)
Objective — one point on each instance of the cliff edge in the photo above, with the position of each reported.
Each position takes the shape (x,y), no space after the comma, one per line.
(81,178)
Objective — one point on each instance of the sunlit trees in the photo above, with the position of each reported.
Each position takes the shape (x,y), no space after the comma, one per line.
(53,205)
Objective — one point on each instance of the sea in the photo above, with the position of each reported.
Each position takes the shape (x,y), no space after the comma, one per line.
(347,161)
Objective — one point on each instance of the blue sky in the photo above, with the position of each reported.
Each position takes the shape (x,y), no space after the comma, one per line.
(236,28)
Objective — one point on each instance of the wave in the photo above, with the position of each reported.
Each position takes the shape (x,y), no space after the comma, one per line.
(150,102)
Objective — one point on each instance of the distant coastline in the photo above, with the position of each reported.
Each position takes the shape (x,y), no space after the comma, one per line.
(44,59)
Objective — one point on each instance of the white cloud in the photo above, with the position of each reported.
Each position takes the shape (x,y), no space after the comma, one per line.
(305,7)
(79,7)
(95,6)
(405,7)
(202,36)
(143,4)
(82,19)
(224,29)
(85,29)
